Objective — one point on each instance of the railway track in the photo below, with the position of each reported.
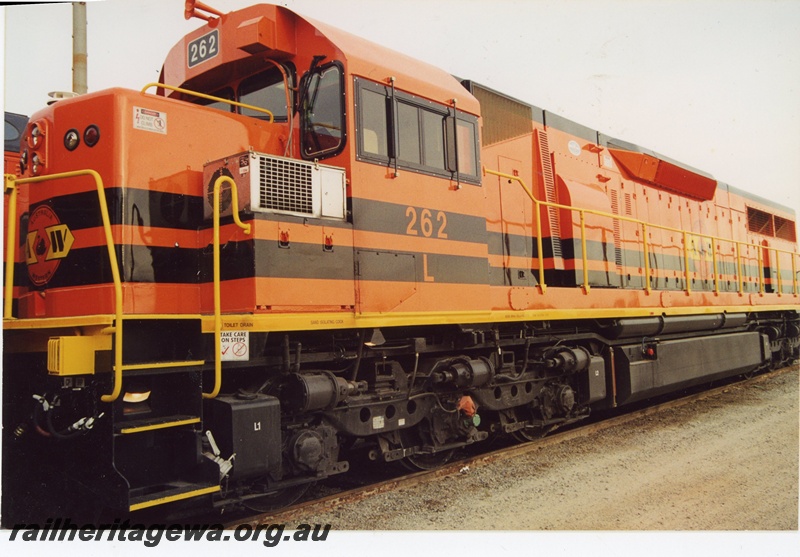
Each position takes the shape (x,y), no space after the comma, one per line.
(353,494)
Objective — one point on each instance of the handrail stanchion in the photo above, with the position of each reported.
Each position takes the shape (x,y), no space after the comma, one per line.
(217,279)
(537,205)
(739,268)
(584,256)
(686,262)
(646,250)
(539,244)
(112,259)
(11,242)
(714,262)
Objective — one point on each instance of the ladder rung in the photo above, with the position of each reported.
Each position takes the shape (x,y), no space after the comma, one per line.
(138,426)
(168,493)
(163,365)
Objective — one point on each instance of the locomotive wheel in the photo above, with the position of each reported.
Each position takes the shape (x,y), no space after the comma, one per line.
(531,433)
(422,462)
(276,499)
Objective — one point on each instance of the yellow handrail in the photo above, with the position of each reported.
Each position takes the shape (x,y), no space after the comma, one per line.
(217,279)
(686,261)
(536,203)
(210,97)
(646,259)
(11,242)
(739,269)
(684,233)
(112,257)
(584,255)
(714,259)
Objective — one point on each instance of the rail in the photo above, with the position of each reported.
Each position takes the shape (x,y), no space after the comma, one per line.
(715,241)
(210,97)
(217,279)
(11,183)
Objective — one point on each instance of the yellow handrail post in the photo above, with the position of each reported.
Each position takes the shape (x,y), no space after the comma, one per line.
(646,250)
(217,279)
(112,259)
(11,242)
(584,256)
(118,309)
(539,245)
(794,274)
(778,271)
(714,260)
(760,271)
(739,268)
(537,205)
(686,261)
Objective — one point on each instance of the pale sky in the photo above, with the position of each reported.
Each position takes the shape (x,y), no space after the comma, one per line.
(714,84)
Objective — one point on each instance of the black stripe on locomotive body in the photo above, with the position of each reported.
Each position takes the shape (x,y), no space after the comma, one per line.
(380,216)
(148,264)
(140,209)
(86,266)
(143,209)
(129,206)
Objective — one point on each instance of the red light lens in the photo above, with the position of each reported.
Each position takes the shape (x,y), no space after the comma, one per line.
(91,135)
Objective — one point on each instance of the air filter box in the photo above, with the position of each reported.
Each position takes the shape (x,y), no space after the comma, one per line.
(250,427)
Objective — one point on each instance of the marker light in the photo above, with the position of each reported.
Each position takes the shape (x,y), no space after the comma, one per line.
(91,135)
(71,139)
(23,161)
(36,136)
(36,164)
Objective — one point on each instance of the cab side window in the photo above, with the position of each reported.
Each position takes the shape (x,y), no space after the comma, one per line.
(374,138)
(396,128)
(322,112)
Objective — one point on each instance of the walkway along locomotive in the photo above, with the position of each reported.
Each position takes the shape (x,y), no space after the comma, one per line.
(299,245)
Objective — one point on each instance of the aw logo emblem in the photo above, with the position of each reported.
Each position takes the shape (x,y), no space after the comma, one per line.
(48,242)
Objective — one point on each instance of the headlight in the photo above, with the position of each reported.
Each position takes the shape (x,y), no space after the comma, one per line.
(71,140)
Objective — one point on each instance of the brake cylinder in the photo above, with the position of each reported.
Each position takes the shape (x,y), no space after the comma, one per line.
(466,373)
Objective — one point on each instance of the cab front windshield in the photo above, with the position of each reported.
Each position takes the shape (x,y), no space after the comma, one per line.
(266,90)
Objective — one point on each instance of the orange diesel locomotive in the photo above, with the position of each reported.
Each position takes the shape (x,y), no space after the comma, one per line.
(299,245)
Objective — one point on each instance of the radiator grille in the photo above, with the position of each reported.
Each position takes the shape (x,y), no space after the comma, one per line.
(617,229)
(550,197)
(285,185)
(785,229)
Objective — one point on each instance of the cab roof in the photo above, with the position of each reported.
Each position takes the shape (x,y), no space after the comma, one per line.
(267,31)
